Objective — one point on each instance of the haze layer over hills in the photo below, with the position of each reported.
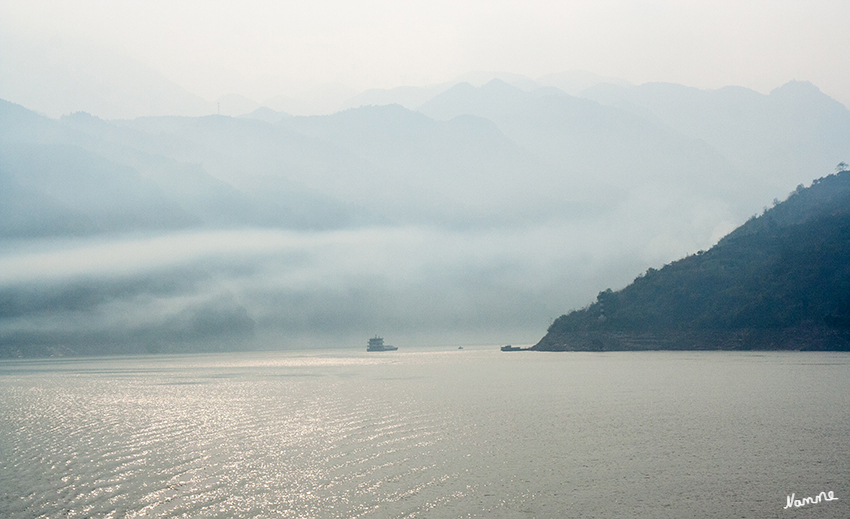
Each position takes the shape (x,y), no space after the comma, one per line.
(477,217)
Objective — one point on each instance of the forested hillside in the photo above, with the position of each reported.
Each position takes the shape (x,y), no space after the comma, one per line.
(782,280)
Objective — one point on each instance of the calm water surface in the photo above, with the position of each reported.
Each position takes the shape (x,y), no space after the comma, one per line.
(426,433)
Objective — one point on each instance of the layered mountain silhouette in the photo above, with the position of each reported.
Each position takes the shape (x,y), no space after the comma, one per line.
(620,146)
(488,208)
(772,138)
(470,155)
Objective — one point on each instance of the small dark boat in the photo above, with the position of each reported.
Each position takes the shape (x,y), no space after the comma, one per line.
(511,348)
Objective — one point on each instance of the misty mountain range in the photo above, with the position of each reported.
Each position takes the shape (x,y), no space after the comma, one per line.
(493,155)
(485,209)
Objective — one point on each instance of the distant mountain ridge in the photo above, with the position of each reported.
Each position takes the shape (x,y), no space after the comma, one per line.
(613,144)
(82,175)
(780,281)
(487,155)
(773,137)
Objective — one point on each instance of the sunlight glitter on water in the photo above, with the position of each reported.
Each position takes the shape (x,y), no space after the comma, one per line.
(483,434)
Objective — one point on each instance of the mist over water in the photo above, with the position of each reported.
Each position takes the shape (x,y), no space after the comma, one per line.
(425,284)
(426,433)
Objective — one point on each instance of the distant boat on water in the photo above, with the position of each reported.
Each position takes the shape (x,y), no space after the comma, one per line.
(377,344)
(511,348)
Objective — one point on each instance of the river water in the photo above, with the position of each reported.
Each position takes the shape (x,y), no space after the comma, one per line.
(426,433)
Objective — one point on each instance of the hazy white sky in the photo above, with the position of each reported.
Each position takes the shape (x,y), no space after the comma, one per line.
(260,48)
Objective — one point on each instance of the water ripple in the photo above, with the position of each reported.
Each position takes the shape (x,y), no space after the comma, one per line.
(337,437)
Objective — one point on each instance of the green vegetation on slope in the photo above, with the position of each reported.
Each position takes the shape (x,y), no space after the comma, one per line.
(782,280)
